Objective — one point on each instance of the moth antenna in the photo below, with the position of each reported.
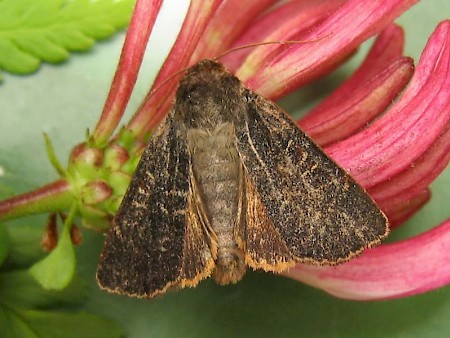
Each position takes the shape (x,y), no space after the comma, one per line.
(167,80)
(285,42)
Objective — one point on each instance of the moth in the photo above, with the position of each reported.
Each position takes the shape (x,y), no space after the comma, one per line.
(228,181)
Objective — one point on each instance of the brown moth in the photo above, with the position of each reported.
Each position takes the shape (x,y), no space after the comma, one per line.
(228,181)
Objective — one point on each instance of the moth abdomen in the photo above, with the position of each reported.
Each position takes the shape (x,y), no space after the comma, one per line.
(217,173)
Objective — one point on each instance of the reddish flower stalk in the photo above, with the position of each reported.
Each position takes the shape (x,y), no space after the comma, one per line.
(56,196)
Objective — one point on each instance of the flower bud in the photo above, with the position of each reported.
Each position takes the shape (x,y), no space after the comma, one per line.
(95,192)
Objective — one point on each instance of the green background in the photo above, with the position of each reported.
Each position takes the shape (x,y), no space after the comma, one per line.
(66,99)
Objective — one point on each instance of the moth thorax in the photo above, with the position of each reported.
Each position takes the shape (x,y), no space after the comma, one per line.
(217,173)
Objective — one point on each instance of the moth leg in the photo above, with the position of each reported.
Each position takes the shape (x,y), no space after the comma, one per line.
(264,247)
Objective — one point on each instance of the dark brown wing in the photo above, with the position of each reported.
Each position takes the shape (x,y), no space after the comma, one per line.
(156,241)
(313,208)
(261,241)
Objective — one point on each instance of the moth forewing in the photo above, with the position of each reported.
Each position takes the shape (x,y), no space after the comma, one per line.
(264,247)
(228,181)
(321,214)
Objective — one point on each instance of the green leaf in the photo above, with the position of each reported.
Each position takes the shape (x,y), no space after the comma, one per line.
(32,31)
(12,325)
(79,324)
(25,242)
(57,270)
(20,289)
(34,323)
(15,60)
(5,243)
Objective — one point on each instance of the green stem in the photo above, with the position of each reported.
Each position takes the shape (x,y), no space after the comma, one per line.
(54,197)
(52,156)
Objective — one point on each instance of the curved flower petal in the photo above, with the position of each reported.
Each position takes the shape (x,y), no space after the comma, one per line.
(395,270)
(399,210)
(409,183)
(365,95)
(412,124)
(337,36)
(354,112)
(286,22)
(231,18)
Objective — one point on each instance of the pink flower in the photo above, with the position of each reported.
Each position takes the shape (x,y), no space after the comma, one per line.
(387,125)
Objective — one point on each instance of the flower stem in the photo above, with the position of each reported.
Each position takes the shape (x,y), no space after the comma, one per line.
(53,197)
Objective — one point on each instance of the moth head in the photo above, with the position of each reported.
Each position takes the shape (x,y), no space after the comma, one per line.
(208,94)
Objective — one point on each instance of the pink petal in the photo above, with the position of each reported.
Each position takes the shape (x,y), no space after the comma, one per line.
(230,20)
(150,113)
(412,124)
(400,210)
(365,95)
(353,113)
(395,270)
(285,22)
(337,36)
(141,25)
(418,176)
